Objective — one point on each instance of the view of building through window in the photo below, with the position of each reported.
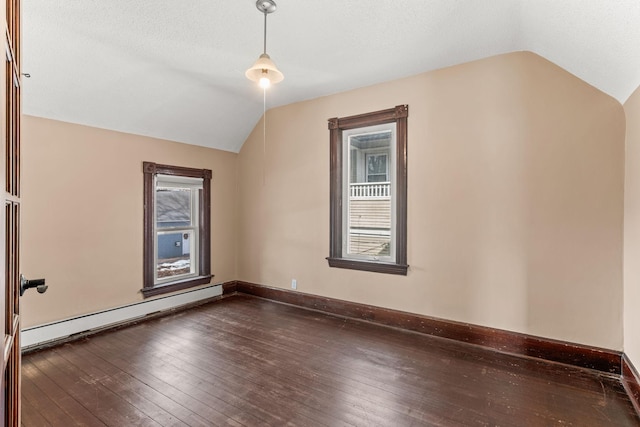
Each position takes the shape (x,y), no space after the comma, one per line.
(174,222)
(369,192)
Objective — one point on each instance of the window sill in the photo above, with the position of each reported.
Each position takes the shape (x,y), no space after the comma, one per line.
(176,286)
(376,267)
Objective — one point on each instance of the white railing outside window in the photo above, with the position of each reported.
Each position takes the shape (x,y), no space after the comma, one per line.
(370,190)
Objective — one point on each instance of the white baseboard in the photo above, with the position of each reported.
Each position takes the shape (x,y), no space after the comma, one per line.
(41,334)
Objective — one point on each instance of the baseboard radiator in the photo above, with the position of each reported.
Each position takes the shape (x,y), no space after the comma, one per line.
(56,332)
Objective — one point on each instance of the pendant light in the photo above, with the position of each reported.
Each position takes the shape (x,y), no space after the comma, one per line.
(264,71)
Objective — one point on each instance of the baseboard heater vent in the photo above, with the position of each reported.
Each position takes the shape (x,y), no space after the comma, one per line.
(52,333)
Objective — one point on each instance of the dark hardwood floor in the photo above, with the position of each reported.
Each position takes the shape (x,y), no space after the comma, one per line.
(244,361)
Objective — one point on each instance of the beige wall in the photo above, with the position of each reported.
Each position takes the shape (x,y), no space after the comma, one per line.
(515,200)
(632,231)
(82,214)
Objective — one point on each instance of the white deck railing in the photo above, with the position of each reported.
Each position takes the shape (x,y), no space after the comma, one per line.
(370,190)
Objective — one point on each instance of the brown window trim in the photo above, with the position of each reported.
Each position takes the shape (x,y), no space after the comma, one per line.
(151,169)
(396,115)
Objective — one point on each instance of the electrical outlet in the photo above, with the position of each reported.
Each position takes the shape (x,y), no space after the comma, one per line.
(294,284)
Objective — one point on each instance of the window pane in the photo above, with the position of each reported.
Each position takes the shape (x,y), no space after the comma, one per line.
(175,256)
(173,207)
(377,164)
(369,195)
(363,242)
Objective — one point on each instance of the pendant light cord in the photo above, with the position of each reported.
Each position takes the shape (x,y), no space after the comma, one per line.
(264,133)
(264,111)
(265,33)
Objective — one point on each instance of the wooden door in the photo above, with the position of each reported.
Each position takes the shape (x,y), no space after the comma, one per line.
(10,282)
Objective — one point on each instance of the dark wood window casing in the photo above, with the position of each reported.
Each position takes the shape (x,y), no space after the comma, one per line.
(396,115)
(204,261)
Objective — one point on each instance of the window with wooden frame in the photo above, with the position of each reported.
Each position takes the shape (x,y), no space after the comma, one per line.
(368,191)
(177,246)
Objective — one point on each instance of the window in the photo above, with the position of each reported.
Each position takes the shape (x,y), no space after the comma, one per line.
(369,191)
(378,166)
(176,228)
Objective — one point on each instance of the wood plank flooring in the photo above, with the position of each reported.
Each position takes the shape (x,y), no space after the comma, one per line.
(244,361)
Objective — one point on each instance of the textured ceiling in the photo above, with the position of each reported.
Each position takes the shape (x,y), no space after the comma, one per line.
(175,69)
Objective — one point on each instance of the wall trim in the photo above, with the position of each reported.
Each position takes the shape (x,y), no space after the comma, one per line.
(631,382)
(55,333)
(583,356)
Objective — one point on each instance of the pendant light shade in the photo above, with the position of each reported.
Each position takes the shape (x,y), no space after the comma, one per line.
(264,71)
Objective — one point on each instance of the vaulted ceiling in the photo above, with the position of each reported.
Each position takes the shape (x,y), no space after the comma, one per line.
(175,69)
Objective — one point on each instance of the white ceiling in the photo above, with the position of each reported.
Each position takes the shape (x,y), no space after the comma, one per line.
(175,69)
